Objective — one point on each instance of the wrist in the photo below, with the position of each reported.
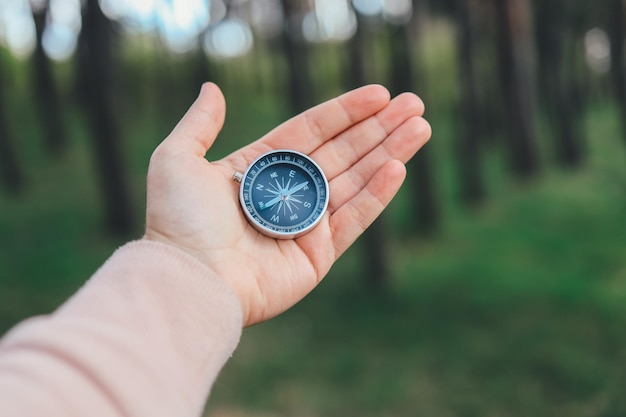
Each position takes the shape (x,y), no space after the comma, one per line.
(201,258)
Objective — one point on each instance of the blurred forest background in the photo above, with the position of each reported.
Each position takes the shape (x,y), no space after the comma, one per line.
(495,285)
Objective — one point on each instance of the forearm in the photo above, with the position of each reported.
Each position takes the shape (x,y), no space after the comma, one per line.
(147,335)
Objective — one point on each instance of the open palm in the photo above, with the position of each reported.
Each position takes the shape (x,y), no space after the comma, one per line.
(361,140)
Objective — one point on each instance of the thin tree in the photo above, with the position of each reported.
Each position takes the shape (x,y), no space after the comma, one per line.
(404,41)
(47,99)
(10,170)
(296,54)
(616,13)
(556,52)
(516,82)
(469,143)
(95,57)
(357,56)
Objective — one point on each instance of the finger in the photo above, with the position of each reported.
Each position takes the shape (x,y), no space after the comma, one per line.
(315,126)
(338,155)
(401,145)
(307,131)
(357,214)
(199,127)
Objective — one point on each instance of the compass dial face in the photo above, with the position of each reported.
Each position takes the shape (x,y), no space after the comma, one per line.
(284,194)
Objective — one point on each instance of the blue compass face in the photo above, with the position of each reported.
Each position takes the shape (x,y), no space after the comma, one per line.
(284,194)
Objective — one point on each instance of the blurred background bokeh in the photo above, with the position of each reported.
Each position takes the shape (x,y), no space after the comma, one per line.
(495,284)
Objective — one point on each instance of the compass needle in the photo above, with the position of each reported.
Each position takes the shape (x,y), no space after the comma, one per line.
(296,188)
(270,203)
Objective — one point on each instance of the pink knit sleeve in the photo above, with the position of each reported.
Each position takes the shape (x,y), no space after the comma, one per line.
(145,336)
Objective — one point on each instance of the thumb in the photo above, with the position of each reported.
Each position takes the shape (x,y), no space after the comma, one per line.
(199,127)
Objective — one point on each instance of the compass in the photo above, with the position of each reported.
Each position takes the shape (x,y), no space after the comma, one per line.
(283,193)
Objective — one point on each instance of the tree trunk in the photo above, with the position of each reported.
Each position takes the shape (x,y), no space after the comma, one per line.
(401,63)
(617,34)
(296,54)
(469,147)
(47,96)
(357,57)
(427,218)
(10,171)
(557,78)
(424,196)
(95,58)
(515,67)
(376,246)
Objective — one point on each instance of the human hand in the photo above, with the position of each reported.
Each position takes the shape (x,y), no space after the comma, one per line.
(361,140)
